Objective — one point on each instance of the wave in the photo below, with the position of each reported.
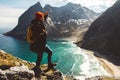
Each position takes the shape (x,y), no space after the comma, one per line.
(73,60)
(70,59)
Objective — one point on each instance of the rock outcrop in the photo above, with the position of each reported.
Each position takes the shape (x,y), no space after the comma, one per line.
(62,21)
(13,68)
(16,73)
(103,35)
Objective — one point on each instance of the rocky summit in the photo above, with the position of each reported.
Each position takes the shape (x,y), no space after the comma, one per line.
(13,68)
(103,35)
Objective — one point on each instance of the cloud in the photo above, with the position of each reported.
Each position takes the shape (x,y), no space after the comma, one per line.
(7,22)
(96,5)
(56,3)
(9,16)
(99,5)
(10,12)
(93,2)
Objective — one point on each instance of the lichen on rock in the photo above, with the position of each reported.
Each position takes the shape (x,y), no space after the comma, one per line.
(9,70)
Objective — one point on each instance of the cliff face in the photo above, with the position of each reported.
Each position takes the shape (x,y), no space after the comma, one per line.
(69,11)
(24,21)
(61,20)
(13,68)
(104,34)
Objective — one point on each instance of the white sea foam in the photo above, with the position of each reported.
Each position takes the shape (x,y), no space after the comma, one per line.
(79,63)
(70,59)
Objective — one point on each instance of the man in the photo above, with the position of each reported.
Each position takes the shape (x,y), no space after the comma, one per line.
(39,35)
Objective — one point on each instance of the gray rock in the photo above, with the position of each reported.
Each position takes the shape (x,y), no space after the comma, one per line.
(103,35)
(60,19)
(57,75)
(16,73)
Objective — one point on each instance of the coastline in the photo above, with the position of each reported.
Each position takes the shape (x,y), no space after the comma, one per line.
(10,60)
(111,68)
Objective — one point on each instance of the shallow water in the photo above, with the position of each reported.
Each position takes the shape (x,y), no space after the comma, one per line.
(70,59)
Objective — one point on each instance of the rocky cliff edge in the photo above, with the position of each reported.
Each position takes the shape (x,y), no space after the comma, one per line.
(13,68)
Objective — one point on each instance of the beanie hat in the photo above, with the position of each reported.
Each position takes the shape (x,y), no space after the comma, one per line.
(39,15)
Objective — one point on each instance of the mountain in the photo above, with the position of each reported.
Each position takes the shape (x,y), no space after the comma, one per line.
(103,35)
(24,21)
(61,20)
(69,11)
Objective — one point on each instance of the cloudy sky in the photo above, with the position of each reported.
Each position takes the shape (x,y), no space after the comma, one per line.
(10,10)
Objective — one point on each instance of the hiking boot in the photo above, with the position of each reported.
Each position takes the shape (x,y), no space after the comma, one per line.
(35,68)
(37,71)
(51,65)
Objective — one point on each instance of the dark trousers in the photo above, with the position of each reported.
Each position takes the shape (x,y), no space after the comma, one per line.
(40,54)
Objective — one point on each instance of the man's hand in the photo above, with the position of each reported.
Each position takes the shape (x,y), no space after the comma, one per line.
(46,15)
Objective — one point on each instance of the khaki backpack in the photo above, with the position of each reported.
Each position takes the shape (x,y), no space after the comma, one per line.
(29,35)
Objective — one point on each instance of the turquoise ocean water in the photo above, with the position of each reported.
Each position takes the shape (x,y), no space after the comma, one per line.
(70,59)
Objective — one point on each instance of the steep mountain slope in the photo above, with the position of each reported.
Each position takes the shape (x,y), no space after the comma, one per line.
(61,19)
(69,11)
(104,34)
(24,21)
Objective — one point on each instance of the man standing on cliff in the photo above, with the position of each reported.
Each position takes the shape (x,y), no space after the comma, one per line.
(39,35)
